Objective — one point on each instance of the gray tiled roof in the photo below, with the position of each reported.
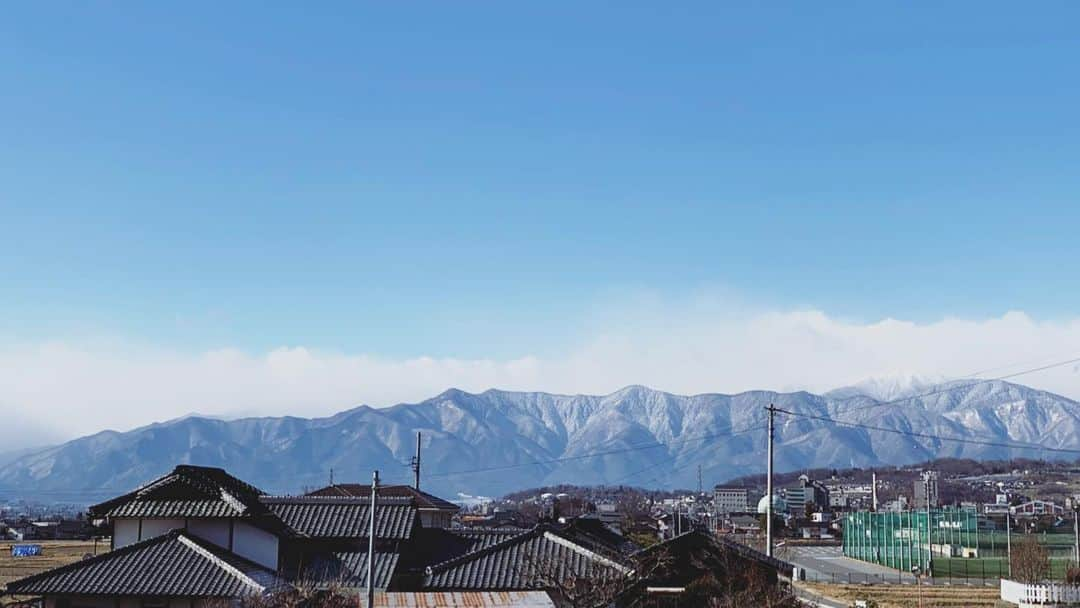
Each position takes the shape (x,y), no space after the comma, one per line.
(173,564)
(436,545)
(187,491)
(520,562)
(174,509)
(348,569)
(421,499)
(482,538)
(339,517)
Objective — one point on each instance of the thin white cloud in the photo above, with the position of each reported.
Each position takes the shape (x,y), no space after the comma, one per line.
(72,388)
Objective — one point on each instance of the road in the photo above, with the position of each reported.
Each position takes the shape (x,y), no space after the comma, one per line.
(828,564)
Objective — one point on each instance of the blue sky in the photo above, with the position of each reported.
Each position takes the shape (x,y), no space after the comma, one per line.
(483,180)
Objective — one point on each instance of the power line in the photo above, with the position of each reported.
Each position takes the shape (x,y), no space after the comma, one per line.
(639,447)
(949,386)
(1000,444)
(674,457)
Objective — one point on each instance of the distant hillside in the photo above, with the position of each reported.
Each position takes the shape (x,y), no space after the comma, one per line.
(482,437)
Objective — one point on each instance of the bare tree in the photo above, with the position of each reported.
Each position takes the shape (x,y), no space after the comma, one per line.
(593,584)
(1030,561)
(752,589)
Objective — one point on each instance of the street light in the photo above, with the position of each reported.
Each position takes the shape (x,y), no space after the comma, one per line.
(915,570)
(1076,530)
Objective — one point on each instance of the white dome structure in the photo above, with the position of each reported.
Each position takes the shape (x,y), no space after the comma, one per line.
(778,505)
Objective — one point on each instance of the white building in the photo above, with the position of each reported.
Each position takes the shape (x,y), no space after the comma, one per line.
(731,500)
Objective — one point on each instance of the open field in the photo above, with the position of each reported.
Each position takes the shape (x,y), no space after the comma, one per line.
(989,567)
(54,553)
(906,596)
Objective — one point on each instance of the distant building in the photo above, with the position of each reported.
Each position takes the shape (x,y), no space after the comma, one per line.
(808,492)
(1037,507)
(731,500)
(895,506)
(745,524)
(1000,506)
(779,505)
(608,512)
(926,488)
(846,496)
(838,499)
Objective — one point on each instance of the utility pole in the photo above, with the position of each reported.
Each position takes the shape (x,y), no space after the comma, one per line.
(929,529)
(1076,530)
(416,463)
(700,491)
(678,519)
(1008,539)
(371,542)
(873,491)
(768,486)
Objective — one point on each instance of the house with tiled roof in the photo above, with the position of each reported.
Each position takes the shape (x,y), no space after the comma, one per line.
(434,512)
(176,564)
(225,538)
(522,561)
(198,537)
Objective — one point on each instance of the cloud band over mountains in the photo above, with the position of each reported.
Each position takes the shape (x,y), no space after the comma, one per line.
(58,390)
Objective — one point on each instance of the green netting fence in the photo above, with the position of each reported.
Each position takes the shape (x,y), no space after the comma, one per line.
(900,540)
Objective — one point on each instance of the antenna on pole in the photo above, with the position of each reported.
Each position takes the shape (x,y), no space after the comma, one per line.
(699,487)
(331,476)
(371,542)
(416,463)
(769,486)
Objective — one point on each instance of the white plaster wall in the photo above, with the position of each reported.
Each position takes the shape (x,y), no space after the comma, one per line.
(257,545)
(157,527)
(125,532)
(213,530)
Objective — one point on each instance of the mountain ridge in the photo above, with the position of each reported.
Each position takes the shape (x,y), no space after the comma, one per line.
(496,441)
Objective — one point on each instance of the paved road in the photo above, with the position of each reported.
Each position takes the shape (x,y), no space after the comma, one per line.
(828,564)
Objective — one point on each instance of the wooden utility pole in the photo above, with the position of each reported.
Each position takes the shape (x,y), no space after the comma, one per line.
(769,486)
(371,542)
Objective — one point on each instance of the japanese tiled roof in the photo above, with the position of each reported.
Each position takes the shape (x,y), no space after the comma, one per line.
(173,564)
(341,517)
(523,561)
(437,545)
(421,499)
(348,569)
(187,491)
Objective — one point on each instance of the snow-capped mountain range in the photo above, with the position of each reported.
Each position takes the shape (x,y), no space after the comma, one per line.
(498,441)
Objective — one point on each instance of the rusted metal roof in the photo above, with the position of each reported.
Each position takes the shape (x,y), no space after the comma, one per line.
(465,599)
